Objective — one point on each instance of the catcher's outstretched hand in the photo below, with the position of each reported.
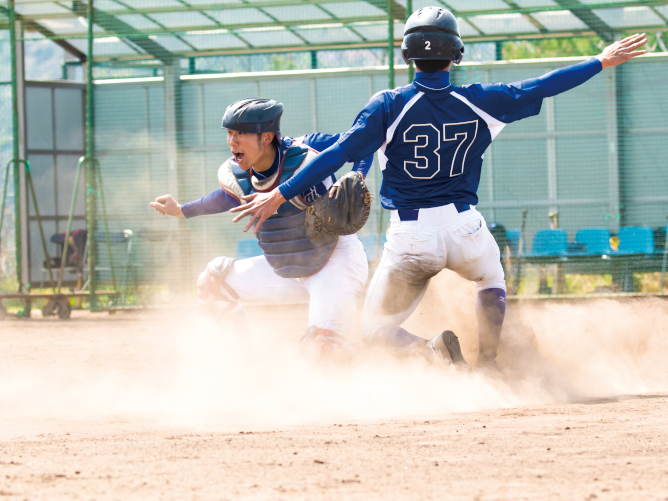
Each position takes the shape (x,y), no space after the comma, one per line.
(623,50)
(260,207)
(166,205)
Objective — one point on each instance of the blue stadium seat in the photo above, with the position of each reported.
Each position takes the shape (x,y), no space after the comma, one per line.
(636,240)
(247,247)
(597,240)
(370,243)
(513,240)
(549,242)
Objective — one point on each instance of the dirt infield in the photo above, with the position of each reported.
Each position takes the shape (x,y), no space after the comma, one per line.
(604,450)
(162,405)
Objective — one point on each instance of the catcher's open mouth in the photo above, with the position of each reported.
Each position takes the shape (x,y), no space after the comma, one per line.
(238,157)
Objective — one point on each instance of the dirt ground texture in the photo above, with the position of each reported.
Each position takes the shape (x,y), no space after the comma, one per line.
(168,404)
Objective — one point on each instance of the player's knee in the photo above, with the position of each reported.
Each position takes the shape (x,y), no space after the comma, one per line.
(493,279)
(220,267)
(211,282)
(491,283)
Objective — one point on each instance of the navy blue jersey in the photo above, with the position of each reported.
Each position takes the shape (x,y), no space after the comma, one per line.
(432,136)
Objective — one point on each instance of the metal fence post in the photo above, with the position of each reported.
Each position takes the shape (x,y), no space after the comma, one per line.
(15,143)
(90,167)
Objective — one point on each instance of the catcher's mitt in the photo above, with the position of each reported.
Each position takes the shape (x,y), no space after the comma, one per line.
(343,214)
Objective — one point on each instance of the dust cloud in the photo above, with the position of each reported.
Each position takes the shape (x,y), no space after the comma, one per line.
(181,368)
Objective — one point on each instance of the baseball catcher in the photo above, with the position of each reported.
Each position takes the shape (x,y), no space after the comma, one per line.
(310,249)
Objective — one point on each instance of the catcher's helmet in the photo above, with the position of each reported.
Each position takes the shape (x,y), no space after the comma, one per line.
(254,116)
(432,33)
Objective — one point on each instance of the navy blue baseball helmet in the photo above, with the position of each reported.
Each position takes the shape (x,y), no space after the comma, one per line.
(254,116)
(432,33)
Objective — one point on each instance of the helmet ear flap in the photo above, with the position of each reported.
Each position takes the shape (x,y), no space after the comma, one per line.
(457,55)
(404,54)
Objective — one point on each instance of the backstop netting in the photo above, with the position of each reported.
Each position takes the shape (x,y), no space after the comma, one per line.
(577,194)
(593,158)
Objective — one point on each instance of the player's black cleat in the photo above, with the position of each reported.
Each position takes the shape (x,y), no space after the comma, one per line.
(446,345)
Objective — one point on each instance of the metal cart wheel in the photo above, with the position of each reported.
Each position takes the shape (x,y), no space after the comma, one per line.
(57,305)
(49,309)
(63,308)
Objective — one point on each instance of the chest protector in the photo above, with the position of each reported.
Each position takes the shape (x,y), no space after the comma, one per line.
(282,237)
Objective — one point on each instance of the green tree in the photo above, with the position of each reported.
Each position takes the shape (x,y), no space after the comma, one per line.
(280,62)
(554,47)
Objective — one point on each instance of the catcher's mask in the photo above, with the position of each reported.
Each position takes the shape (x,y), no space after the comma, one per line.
(432,33)
(254,116)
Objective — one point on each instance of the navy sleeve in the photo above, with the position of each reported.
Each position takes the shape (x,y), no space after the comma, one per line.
(363,165)
(568,77)
(321,142)
(321,167)
(368,132)
(515,101)
(213,203)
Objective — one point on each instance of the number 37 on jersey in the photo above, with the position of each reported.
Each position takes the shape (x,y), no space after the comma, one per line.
(435,148)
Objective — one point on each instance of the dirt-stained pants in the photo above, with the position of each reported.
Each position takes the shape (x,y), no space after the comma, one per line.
(418,250)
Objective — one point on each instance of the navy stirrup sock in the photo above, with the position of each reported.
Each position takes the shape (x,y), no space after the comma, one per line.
(490,310)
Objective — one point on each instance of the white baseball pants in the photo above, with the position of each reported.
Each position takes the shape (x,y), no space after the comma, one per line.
(416,251)
(333,291)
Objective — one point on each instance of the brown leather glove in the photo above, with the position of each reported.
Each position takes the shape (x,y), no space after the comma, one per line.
(343,214)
